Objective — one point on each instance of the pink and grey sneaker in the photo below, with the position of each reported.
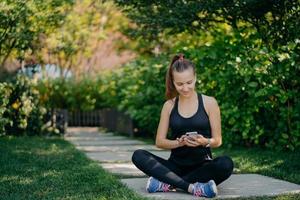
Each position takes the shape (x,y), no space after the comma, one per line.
(154,185)
(208,189)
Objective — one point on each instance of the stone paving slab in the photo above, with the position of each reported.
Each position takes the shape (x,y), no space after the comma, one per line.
(99,137)
(242,185)
(118,148)
(127,169)
(85,131)
(120,157)
(105,143)
(87,134)
(80,130)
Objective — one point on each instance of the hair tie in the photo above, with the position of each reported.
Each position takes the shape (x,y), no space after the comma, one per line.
(181,56)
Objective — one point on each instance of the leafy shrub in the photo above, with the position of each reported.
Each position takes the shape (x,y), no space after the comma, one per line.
(21,112)
(72,95)
(5,92)
(140,91)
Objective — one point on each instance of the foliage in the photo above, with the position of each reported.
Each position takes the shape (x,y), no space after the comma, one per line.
(24,22)
(5,92)
(76,46)
(277,22)
(71,35)
(140,91)
(21,112)
(70,94)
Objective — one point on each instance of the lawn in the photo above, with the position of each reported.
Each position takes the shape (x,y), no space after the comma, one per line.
(51,168)
(281,165)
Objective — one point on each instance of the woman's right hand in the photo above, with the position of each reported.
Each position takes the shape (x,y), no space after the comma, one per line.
(182,141)
(186,141)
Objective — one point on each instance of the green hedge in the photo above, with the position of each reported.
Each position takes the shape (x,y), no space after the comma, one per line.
(5,92)
(70,94)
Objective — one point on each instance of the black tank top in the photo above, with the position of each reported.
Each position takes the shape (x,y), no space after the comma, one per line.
(188,156)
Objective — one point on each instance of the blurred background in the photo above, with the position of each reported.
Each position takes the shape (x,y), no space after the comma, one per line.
(103,63)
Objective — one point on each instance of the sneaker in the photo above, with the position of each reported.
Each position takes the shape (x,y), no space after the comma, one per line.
(154,185)
(208,189)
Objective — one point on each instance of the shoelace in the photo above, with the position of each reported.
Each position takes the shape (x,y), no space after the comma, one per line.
(199,191)
(165,187)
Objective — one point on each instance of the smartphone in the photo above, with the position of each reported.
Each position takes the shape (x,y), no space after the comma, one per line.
(191,134)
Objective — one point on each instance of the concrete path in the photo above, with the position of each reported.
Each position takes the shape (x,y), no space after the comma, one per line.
(114,154)
(242,185)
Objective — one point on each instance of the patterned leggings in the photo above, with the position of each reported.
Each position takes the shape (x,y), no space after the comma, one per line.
(218,169)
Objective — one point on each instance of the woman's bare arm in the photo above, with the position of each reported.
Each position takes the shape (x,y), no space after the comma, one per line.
(215,122)
(161,136)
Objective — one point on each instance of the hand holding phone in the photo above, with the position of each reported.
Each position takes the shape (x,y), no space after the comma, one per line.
(191,135)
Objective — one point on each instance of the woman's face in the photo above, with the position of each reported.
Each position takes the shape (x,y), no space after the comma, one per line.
(184,82)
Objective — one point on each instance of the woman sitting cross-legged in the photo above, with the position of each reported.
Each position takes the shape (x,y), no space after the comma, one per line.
(195,123)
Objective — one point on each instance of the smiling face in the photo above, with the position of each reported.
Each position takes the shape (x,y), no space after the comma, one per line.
(184,82)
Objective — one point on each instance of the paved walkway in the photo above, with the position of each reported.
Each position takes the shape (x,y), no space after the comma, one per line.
(114,154)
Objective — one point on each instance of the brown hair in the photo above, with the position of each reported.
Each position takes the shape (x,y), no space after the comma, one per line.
(179,64)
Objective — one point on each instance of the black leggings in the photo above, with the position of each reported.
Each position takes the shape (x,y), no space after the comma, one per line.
(218,169)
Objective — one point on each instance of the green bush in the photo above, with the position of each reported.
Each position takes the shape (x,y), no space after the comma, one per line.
(140,91)
(5,92)
(21,112)
(72,95)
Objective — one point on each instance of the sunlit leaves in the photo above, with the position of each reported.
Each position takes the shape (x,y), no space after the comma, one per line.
(277,22)
(23,23)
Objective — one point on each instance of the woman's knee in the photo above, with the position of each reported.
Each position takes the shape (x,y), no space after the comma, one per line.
(138,155)
(225,165)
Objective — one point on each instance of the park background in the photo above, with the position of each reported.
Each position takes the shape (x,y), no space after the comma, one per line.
(90,55)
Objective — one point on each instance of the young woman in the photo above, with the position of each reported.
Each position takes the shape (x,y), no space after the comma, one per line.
(195,123)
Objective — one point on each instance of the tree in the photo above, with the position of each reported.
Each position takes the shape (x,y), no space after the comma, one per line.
(24,22)
(276,21)
(92,27)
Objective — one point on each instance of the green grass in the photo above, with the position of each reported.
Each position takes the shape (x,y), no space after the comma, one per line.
(51,168)
(281,165)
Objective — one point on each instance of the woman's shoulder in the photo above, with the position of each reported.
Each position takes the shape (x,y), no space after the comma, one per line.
(169,104)
(209,101)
